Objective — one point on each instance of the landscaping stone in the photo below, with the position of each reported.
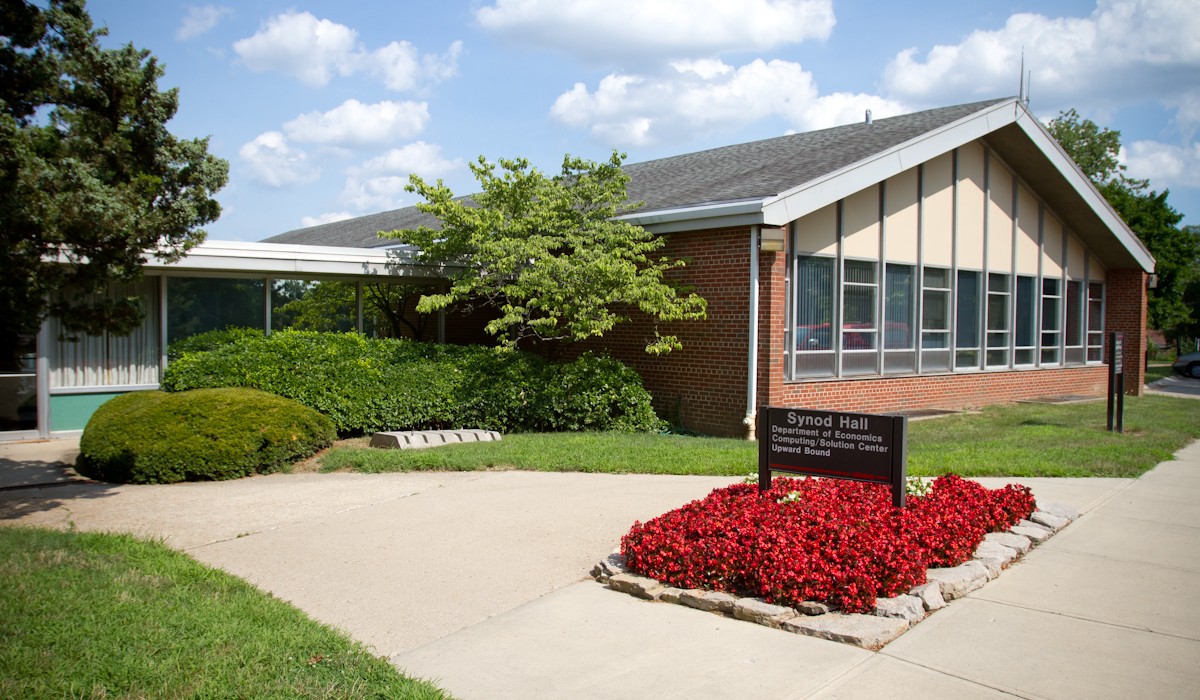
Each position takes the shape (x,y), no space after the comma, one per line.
(1010,540)
(993,565)
(930,595)
(671,595)
(866,631)
(1050,520)
(905,607)
(960,580)
(420,439)
(989,548)
(710,601)
(762,612)
(639,586)
(812,607)
(1059,509)
(1037,534)
(608,567)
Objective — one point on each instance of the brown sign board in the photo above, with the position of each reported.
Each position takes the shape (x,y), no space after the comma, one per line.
(856,446)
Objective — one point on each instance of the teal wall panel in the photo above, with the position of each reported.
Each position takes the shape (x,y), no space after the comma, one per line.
(72,411)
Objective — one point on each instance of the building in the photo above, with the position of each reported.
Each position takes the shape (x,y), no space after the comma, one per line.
(942,259)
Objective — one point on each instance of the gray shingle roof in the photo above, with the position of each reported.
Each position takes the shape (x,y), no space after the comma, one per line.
(731,173)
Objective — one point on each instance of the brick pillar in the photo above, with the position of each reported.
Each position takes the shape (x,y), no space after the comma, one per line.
(772,309)
(1125,311)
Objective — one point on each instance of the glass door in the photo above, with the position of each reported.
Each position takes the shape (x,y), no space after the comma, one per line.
(18,383)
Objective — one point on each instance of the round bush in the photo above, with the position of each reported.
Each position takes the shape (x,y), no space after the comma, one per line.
(366,385)
(152,437)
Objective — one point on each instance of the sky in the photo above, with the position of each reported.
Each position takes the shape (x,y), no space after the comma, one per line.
(324,109)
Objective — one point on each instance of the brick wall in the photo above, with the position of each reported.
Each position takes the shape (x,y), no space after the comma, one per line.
(950,391)
(702,386)
(1125,311)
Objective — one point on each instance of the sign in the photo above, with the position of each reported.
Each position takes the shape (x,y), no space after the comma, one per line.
(1116,382)
(856,446)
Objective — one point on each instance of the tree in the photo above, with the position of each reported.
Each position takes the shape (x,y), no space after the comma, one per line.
(91,181)
(548,253)
(1176,251)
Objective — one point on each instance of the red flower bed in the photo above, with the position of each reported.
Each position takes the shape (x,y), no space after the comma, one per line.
(837,542)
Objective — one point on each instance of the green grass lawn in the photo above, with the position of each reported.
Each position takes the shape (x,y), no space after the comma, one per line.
(1013,440)
(112,616)
(1157,371)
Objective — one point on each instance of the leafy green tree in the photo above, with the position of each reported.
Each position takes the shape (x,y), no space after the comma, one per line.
(548,253)
(1176,251)
(90,178)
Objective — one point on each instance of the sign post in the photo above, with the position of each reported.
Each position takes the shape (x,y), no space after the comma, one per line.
(1116,382)
(856,446)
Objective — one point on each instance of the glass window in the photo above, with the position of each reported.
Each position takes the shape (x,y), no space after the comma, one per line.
(79,360)
(899,312)
(329,307)
(966,335)
(935,320)
(812,329)
(200,304)
(1026,316)
(1051,323)
(859,327)
(18,382)
(898,309)
(1095,322)
(1074,329)
(997,320)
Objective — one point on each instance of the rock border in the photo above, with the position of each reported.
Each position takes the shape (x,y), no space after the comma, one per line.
(892,617)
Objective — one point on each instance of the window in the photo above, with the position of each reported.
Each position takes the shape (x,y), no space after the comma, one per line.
(1051,323)
(1024,331)
(935,320)
(1095,322)
(966,335)
(859,317)
(997,320)
(812,329)
(899,310)
(82,360)
(1074,355)
(199,304)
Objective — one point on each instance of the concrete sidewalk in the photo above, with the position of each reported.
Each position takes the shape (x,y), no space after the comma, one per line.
(477,580)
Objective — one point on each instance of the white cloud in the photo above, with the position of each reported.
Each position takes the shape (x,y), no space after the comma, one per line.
(273,162)
(1125,51)
(624,29)
(378,184)
(313,51)
(200,20)
(632,110)
(356,124)
(402,68)
(300,45)
(326,218)
(1165,165)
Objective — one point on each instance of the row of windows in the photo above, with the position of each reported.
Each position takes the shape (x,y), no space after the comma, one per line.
(934,319)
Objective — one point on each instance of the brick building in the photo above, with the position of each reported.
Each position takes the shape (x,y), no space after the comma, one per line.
(948,258)
(943,259)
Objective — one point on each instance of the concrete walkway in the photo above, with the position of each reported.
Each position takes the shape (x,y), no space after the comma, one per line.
(477,580)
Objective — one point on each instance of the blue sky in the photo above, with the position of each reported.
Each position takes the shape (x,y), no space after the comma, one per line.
(323,109)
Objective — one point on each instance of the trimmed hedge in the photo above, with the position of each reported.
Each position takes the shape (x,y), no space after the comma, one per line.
(152,437)
(366,385)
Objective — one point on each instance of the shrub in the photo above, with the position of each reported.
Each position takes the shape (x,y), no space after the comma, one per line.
(838,542)
(366,385)
(152,437)
(209,340)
